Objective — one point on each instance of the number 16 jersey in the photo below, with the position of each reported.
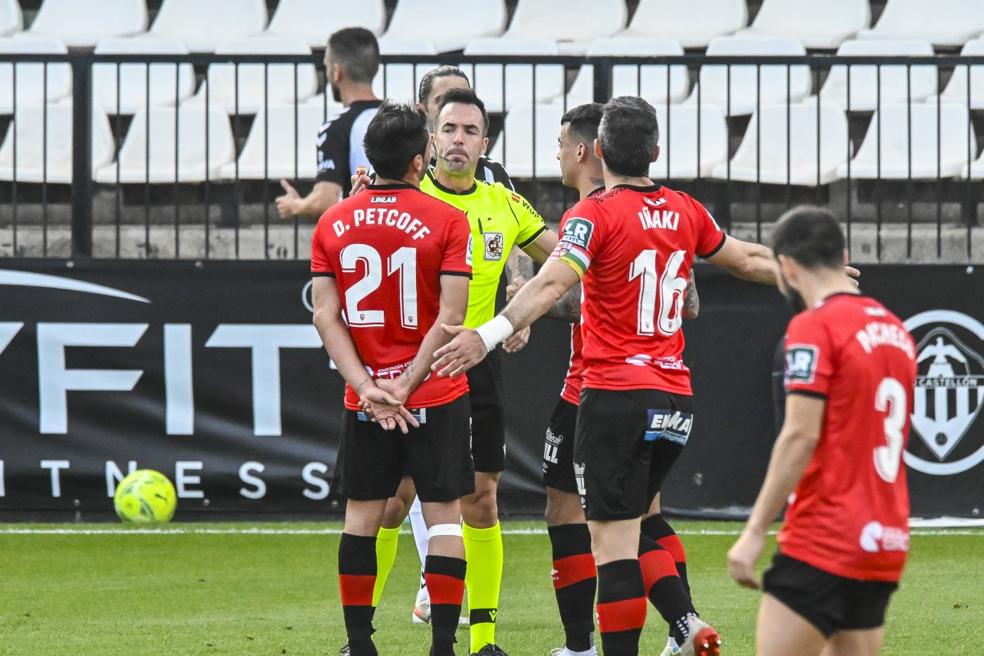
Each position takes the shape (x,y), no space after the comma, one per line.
(388,248)
(634,248)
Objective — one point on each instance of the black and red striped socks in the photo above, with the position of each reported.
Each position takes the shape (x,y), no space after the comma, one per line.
(657,529)
(664,588)
(445,578)
(356,580)
(575,581)
(621,607)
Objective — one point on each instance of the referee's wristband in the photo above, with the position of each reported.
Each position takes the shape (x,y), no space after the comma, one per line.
(494,332)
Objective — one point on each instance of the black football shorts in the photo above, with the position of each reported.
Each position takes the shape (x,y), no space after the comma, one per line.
(488,425)
(626,442)
(829,602)
(558,448)
(436,455)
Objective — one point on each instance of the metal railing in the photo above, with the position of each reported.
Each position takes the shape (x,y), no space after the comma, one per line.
(747,136)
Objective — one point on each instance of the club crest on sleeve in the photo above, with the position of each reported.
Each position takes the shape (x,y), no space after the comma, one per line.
(577,232)
(469,251)
(801,363)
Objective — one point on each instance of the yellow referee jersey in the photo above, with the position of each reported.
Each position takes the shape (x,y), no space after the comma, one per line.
(499,219)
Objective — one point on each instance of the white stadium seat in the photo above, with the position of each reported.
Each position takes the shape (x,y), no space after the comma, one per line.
(167,81)
(898,83)
(221,83)
(679,157)
(46,154)
(203,25)
(82,23)
(399,81)
(11,19)
(308,21)
(749,86)
(488,79)
(956,90)
(515,147)
(822,25)
(941,22)
(626,79)
(691,23)
(291,150)
(957,139)
(787,148)
(450,25)
(324,104)
(574,28)
(30,87)
(191,149)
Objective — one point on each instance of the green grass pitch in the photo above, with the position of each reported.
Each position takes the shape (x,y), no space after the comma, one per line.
(222,589)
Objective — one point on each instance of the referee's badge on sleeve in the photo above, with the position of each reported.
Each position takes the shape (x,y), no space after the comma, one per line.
(494,246)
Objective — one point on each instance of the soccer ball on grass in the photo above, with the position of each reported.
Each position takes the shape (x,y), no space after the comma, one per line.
(145,496)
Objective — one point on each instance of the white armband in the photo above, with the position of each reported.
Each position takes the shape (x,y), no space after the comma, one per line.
(494,332)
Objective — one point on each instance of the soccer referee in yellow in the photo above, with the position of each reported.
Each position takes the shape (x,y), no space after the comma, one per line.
(499,218)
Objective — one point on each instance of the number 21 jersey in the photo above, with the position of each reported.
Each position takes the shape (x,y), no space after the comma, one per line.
(387,248)
(634,248)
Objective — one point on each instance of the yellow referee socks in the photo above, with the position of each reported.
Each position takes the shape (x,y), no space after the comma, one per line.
(387,540)
(483,578)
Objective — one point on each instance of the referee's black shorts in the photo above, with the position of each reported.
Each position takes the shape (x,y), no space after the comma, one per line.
(488,428)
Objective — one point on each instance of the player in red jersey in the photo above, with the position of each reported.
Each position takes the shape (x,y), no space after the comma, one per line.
(632,248)
(574,573)
(390,266)
(850,373)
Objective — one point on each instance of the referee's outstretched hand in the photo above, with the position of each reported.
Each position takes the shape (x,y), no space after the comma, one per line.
(460,354)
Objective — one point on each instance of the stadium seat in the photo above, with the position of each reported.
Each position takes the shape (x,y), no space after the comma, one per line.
(956,90)
(324,104)
(450,26)
(693,24)
(898,83)
(626,79)
(680,156)
(82,23)
(46,154)
(942,22)
(308,21)
(11,20)
(745,92)
(30,88)
(957,139)
(574,28)
(529,132)
(821,25)
(790,138)
(488,79)
(291,153)
(191,153)
(203,25)
(399,81)
(220,79)
(168,83)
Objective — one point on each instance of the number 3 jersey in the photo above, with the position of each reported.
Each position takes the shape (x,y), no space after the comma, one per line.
(633,248)
(387,248)
(849,514)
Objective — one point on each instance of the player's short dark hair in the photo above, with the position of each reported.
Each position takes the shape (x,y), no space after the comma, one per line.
(629,132)
(811,236)
(396,134)
(583,121)
(427,82)
(465,97)
(356,50)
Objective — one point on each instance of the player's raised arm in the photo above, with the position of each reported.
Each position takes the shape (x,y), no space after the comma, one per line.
(469,347)
(746,260)
(339,345)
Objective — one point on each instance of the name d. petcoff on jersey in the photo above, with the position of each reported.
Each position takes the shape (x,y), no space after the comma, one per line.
(382,217)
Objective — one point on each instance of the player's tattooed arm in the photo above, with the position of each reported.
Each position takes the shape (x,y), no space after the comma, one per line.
(568,308)
(691,300)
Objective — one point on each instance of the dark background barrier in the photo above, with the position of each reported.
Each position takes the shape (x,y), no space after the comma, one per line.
(217,335)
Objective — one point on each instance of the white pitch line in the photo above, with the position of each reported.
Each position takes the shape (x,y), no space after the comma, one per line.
(336,531)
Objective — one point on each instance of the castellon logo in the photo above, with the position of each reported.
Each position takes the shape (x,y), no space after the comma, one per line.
(948,433)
